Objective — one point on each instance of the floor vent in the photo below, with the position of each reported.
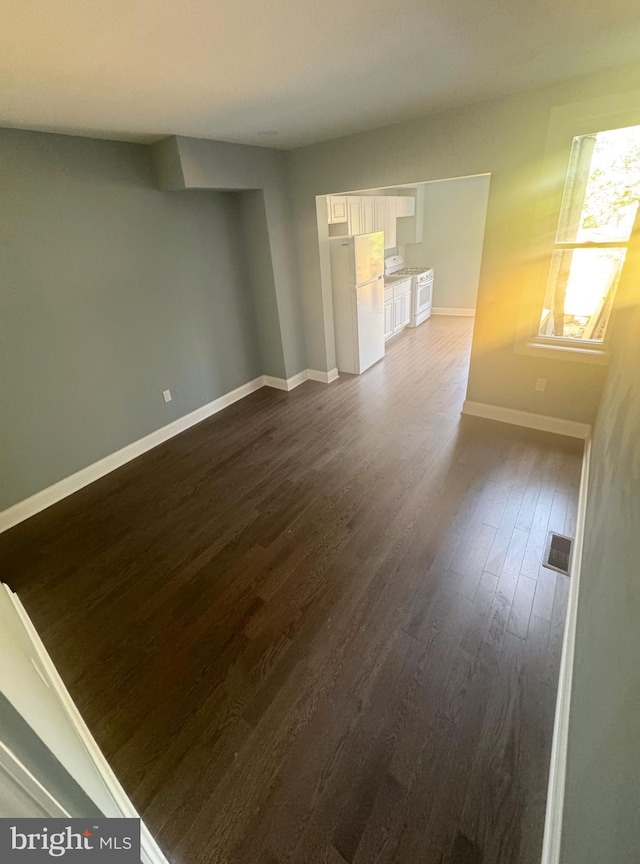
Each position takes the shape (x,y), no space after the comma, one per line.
(558,553)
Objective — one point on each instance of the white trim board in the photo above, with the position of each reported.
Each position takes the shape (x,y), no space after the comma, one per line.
(74,482)
(323,377)
(453,310)
(558,425)
(558,768)
(300,378)
(285,383)
(150,852)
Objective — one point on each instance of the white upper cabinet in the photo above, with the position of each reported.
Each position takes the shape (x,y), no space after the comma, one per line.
(379,213)
(336,208)
(354,214)
(405,205)
(410,228)
(367,214)
(390,223)
(364,214)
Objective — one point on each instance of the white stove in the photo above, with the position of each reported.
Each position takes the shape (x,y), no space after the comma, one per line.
(421,286)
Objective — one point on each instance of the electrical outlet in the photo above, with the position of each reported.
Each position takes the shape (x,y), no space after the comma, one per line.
(541,384)
(167,395)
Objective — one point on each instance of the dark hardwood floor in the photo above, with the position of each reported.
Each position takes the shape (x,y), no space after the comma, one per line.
(315,627)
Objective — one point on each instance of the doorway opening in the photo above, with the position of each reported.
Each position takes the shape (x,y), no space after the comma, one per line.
(433,240)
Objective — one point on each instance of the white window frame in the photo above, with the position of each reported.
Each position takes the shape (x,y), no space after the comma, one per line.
(566,123)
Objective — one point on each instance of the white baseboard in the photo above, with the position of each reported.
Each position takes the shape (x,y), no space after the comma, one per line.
(558,767)
(150,852)
(286,383)
(300,378)
(68,485)
(524,418)
(453,310)
(323,377)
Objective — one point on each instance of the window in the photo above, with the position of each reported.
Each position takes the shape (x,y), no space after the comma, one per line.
(599,205)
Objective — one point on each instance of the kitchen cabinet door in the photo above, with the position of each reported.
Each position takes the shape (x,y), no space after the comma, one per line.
(406,308)
(409,229)
(397,314)
(354,214)
(390,223)
(336,208)
(367,213)
(388,319)
(379,213)
(405,205)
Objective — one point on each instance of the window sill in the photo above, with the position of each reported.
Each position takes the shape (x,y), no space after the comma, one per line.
(573,352)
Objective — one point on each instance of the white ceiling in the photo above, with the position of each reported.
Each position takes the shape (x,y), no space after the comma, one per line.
(287,72)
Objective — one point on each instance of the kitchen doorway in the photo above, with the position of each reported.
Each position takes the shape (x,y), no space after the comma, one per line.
(433,241)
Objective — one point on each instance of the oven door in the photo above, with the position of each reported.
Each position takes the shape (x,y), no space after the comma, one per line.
(423,294)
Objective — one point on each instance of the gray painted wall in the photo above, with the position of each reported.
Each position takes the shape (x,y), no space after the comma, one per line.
(602,816)
(191,163)
(454,220)
(111,292)
(506,138)
(257,250)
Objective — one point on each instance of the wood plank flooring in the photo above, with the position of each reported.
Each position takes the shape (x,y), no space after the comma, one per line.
(314,629)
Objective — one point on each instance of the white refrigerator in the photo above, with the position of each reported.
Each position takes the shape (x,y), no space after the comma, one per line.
(357,269)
